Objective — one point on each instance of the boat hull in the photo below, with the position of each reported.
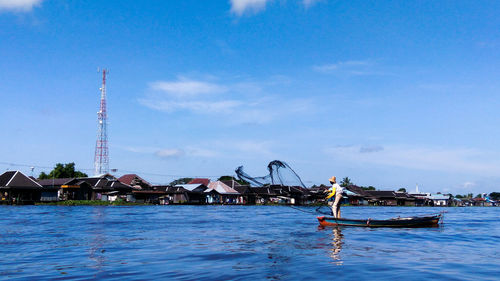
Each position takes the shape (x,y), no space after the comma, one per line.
(427,221)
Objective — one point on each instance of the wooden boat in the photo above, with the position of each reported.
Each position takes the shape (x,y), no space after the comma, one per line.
(423,221)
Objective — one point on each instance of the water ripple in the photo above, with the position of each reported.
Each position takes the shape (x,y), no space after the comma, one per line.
(240,243)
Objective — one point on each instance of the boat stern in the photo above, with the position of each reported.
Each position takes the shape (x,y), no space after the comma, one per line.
(323,222)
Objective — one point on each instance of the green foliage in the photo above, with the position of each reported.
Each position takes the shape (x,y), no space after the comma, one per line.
(495,196)
(346,182)
(181,181)
(468,196)
(368,188)
(228,178)
(402,189)
(63,171)
(320,186)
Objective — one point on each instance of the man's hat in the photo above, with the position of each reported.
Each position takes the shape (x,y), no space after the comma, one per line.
(333,179)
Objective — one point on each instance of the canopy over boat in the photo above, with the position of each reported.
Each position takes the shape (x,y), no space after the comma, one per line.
(420,221)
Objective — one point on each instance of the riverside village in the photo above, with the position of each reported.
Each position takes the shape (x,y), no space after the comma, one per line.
(20,189)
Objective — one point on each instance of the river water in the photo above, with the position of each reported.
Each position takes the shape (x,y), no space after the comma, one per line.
(241,243)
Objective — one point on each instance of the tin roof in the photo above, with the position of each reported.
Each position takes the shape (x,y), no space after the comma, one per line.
(17,179)
(205,182)
(130,178)
(222,188)
(191,187)
(55,182)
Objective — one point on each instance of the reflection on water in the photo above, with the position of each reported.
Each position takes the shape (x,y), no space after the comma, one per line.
(240,243)
(336,245)
(97,238)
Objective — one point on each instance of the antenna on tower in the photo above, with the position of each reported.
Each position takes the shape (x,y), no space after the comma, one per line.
(101,156)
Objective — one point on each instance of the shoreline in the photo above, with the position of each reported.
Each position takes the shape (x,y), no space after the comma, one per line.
(124,203)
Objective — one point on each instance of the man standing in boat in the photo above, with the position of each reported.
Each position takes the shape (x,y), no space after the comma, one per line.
(335,194)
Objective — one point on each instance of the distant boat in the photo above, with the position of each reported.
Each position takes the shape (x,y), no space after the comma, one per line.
(419,221)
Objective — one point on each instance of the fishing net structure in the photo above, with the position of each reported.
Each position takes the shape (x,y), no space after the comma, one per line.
(280,173)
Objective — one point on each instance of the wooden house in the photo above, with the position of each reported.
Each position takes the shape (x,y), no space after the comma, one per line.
(227,194)
(185,193)
(290,194)
(382,198)
(357,196)
(107,188)
(441,200)
(404,199)
(264,195)
(17,188)
(247,195)
(68,188)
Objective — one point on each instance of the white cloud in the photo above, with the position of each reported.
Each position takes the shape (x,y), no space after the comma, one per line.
(138,149)
(240,7)
(309,3)
(19,5)
(184,87)
(201,107)
(469,185)
(466,161)
(252,106)
(209,149)
(362,67)
(169,153)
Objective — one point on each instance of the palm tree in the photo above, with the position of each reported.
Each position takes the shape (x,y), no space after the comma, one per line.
(346,182)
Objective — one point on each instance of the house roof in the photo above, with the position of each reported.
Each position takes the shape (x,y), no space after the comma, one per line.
(263,190)
(191,187)
(439,197)
(222,188)
(288,190)
(130,178)
(105,182)
(175,189)
(203,181)
(243,189)
(358,190)
(16,179)
(231,183)
(404,195)
(382,193)
(55,182)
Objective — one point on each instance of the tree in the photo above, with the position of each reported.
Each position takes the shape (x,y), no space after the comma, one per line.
(63,171)
(181,181)
(346,182)
(495,196)
(368,188)
(402,189)
(228,178)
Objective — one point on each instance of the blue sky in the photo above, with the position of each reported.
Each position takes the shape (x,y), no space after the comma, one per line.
(388,93)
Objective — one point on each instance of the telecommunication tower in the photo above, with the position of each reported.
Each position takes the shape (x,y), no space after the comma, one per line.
(101,157)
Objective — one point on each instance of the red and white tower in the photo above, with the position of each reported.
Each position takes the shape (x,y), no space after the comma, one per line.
(101,157)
